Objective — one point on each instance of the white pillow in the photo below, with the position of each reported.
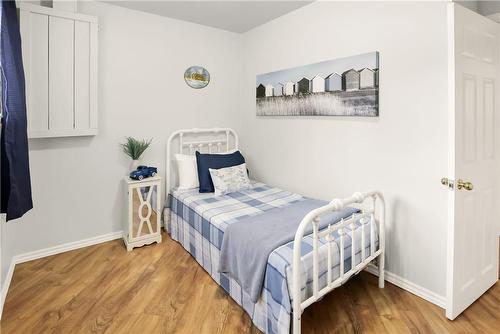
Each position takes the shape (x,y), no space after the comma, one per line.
(187,171)
(230,179)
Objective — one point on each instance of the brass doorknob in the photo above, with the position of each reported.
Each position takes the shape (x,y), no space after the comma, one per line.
(466,185)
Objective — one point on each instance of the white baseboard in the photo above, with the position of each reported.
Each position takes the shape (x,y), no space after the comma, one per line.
(66,247)
(411,287)
(48,252)
(5,286)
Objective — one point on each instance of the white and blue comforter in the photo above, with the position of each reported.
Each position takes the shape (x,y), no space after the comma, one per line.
(198,221)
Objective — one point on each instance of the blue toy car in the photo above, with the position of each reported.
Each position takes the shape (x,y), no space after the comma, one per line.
(142,172)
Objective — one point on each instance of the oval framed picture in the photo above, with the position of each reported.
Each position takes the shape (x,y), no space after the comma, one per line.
(197,77)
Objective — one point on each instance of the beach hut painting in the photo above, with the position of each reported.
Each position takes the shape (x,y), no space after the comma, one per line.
(320,90)
(304,86)
(333,82)
(261,91)
(269,90)
(278,89)
(317,84)
(350,80)
(366,78)
(289,88)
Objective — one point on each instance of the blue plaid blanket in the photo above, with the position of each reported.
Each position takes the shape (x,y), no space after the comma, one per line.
(198,221)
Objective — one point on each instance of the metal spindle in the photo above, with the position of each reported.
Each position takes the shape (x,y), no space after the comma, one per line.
(218,147)
(372,236)
(227,140)
(363,246)
(209,147)
(341,252)
(353,246)
(191,149)
(315,257)
(329,239)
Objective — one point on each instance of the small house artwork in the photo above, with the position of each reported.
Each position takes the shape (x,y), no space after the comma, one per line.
(333,82)
(317,84)
(289,88)
(339,87)
(350,80)
(304,86)
(269,90)
(261,91)
(366,78)
(278,89)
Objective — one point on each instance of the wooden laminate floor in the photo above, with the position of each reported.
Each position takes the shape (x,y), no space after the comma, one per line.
(162,289)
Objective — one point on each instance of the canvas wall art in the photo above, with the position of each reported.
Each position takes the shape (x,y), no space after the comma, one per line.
(339,87)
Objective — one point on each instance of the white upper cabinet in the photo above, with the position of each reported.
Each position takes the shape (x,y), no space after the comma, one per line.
(60,65)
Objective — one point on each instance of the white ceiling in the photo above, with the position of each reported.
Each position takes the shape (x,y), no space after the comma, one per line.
(237,16)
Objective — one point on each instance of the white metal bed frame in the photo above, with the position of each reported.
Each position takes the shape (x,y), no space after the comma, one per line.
(217,140)
(213,140)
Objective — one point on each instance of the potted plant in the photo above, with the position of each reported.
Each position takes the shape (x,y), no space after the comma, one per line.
(134,149)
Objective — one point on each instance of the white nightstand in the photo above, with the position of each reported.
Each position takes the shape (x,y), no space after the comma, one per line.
(142,224)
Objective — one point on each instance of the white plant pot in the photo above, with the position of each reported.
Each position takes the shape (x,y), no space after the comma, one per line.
(133,165)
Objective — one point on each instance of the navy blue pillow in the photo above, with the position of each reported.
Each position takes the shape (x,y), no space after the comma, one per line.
(215,161)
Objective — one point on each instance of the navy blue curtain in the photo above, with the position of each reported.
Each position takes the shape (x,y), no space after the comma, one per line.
(15,196)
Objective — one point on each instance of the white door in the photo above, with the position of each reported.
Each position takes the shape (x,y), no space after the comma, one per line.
(473,228)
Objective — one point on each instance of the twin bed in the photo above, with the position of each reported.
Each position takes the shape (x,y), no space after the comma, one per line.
(331,242)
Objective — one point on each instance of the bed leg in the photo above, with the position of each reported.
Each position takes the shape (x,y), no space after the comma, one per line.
(381,270)
(296,322)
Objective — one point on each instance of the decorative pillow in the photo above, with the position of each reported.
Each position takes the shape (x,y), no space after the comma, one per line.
(230,179)
(187,171)
(214,161)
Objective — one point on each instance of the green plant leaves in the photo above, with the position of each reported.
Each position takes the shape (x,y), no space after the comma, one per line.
(134,148)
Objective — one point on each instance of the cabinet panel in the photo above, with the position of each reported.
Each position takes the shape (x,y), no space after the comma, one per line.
(61,71)
(36,68)
(82,75)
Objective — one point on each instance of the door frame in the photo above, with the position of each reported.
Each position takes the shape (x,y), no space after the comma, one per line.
(450,228)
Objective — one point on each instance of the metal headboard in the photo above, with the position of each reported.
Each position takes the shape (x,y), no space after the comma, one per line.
(188,141)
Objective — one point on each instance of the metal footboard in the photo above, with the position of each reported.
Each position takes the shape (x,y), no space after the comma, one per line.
(376,212)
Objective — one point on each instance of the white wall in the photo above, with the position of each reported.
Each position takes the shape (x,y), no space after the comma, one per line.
(402,153)
(77,182)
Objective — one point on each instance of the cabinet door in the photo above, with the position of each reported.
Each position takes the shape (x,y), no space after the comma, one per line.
(61,73)
(82,75)
(35,44)
(60,63)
